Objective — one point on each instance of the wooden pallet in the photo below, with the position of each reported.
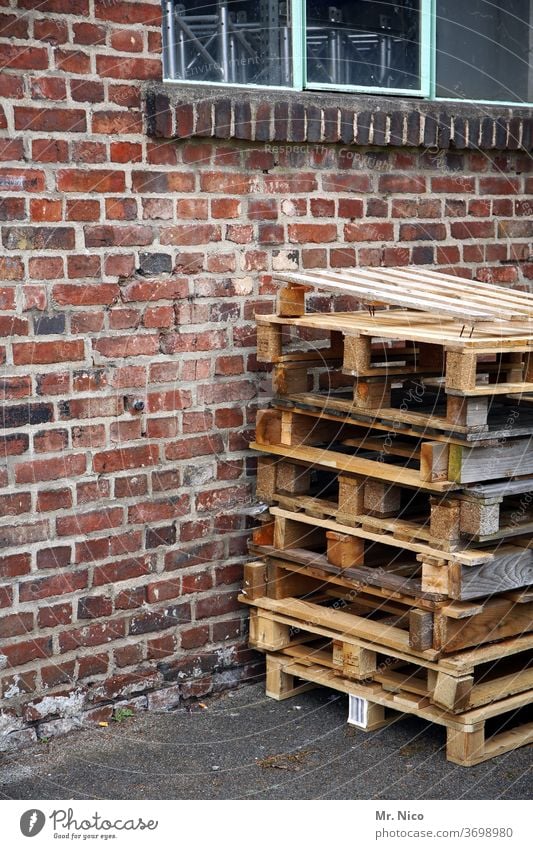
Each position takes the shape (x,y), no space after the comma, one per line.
(418,410)
(468,741)
(461,575)
(437,683)
(464,520)
(433,292)
(494,360)
(419,620)
(415,462)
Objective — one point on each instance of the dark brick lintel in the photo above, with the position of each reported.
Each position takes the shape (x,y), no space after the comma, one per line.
(175,111)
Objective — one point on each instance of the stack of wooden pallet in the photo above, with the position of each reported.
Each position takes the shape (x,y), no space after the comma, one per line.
(396,559)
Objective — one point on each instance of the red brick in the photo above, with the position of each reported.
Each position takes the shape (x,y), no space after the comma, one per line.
(127,458)
(72,61)
(103,293)
(229,208)
(56,383)
(191,208)
(185,449)
(50,440)
(33,353)
(228,417)
(346,183)
(90,181)
(11,86)
(472,229)
(400,183)
(94,607)
(23,57)
(125,95)
(158,317)
(306,233)
(124,209)
(18,180)
(57,614)
(127,41)
(45,210)
(53,499)
(50,120)
(88,523)
(196,583)
(126,152)
(48,88)
(216,499)
(61,673)
(83,265)
(107,235)
(92,635)
(125,431)
(12,26)
(130,599)
(87,91)
(92,407)
(49,150)
(24,652)
(46,470)
(157,208)
(129,346)
(216,605)
(121,319)
(114,121)
(88,152)
(10,269)
(499,186)
(122,570)
(12,445)
(83,210)
(163,590)
(128,69)
(449,185)
(226,183)
(369,232)
(67,582)
(425,232)
(10,325)
(93,664)
(87,33)
(191,638)
(14,564)
(290,184)
(122,265)
(13,505)
(46,269)
(158,510)
(172,399)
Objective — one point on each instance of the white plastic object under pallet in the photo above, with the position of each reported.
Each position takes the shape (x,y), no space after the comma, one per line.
(357,711)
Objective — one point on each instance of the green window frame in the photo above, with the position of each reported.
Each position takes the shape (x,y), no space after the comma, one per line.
(296,17)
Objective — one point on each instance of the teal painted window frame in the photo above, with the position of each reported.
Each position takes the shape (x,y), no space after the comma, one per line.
(427,41)
(428,62)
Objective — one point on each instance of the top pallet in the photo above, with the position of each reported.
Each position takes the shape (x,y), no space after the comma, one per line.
(450,302)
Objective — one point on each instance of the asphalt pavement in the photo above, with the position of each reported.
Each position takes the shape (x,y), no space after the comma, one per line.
(241,745)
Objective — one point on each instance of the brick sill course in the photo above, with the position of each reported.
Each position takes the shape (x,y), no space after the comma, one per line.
(175,111)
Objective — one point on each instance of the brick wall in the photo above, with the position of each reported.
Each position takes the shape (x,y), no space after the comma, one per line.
(130,271)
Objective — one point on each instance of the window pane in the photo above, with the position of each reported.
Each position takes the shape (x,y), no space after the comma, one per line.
(483,49)
(364,43)
(242,41)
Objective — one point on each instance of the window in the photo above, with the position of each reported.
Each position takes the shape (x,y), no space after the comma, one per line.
(477,50)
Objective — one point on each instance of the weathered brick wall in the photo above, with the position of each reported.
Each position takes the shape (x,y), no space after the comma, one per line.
(130,271)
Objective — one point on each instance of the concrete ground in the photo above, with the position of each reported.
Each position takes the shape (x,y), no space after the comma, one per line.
(245,746)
